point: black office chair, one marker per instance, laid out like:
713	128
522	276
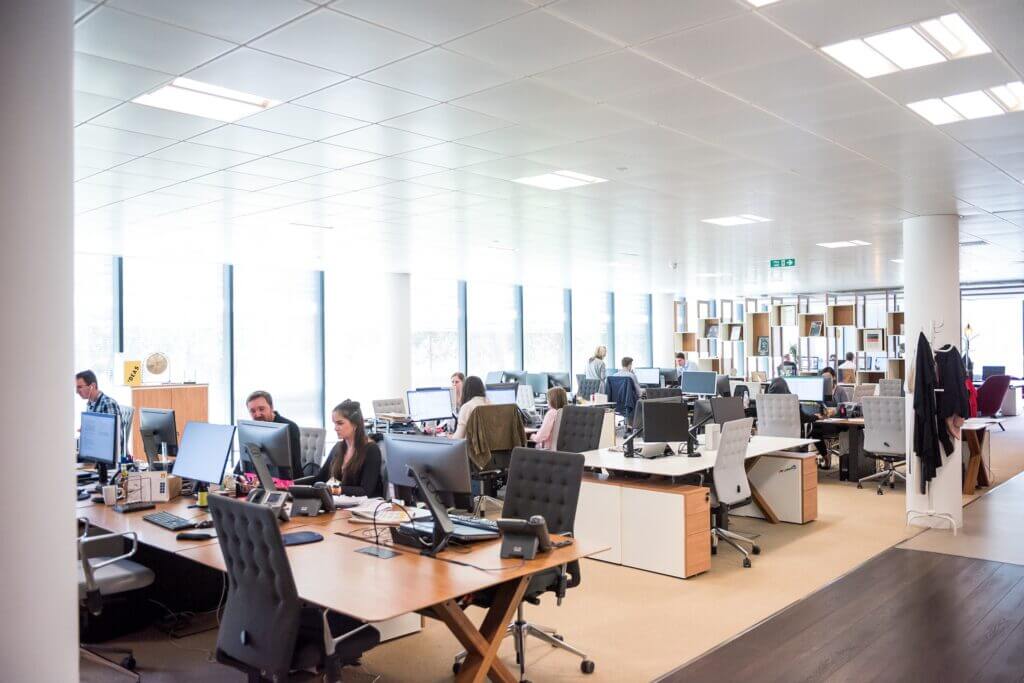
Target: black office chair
663	392
622	392
741	390
588	387
543	483
580	428
722	387
266	630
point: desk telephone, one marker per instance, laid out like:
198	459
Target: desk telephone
275	500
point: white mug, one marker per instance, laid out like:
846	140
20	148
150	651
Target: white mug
109	494
711	433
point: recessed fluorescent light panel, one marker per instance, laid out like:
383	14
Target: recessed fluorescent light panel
761	3
560	180
928	42
742	219
976	104
843	244
186	96
897	260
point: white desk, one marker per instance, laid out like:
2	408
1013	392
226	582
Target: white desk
660	526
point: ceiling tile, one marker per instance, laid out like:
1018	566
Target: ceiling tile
234	20
531	43
514	140
437	21
802	76
114	140
450	155
88	105
265	75
240	181
734	43
823	22
366	101
439	74
151	44
947	78
99	158
302	122
396	168
382	140
999	22
202	155
338	42
612	75
114	79
158	168
676	105
508	169
347	180
638	20
587	122
447	122
243	139
328	156
143	119
281	169
520	101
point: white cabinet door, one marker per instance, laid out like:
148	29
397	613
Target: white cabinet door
654	531
598	518
780	482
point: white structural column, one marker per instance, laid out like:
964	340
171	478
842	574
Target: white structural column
39	591
662	326
931	280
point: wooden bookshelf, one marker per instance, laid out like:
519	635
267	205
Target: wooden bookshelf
727	332
806	320
870	376
686	342
896	368
894	323
841	315
864	345
757	325
706	325
782	312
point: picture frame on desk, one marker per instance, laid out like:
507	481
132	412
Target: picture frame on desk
712	331
815	330
763	347
735	333
873	340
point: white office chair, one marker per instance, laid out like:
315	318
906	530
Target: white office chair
730	486
890	387
311	448
778	415
862	391
126	417
885	438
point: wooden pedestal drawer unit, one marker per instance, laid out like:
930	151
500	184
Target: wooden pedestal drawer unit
788	484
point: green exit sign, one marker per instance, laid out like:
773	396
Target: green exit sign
783	262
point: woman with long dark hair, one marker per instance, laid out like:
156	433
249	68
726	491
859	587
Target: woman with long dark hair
473	394
354	462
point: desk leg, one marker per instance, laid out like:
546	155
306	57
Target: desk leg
482	645
759	500
974	467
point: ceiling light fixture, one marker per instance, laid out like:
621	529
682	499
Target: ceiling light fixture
1010	95
928	42
897	260
741	219
761	3
843	244
187	96
560	180
976	104
935	111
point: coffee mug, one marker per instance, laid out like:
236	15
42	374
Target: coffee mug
109	494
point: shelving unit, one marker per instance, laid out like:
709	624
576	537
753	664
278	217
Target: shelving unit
686	342
807	319
757	325
781	314
896	368
726	330
704	328
840	315
894	324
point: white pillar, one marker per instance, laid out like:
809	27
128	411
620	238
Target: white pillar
931	281
662	327
38	584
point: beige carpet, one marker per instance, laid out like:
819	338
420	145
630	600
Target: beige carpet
634	624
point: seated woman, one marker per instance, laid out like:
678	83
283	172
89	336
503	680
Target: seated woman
822	430
354	462
547	436
473	394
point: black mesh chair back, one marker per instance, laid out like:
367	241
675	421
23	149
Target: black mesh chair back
589	387
664	392
722	387
262	614
580	428
544	483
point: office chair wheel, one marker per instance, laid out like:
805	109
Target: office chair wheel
756	549
129	663
558	636
880	491
892	485
456	667
860	485
587	666
714	550
746	563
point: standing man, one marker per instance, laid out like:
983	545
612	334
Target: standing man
261	409
87	387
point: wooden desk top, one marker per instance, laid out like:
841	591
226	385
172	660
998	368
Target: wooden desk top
104	517
332	574
844	421
681	465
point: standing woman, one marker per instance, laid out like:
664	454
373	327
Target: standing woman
473	394
457	380
354	462
595	366
547	436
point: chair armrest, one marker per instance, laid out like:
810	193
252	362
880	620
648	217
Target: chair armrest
330	641
88	567
85	527
304	481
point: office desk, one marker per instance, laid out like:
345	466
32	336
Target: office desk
854	464
659	525
976	439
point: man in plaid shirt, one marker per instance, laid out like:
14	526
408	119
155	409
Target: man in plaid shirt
87	387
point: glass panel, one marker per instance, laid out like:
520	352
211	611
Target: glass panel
996	328
434	331
277	341
178	310
591	327
544	329
633	329
94	323
491	322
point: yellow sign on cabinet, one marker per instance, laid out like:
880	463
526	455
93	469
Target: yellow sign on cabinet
133	373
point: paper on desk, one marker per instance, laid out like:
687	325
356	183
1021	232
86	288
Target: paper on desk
349	501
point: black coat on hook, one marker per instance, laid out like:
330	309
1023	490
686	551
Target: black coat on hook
926	425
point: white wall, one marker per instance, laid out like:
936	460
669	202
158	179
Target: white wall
38	584
662	327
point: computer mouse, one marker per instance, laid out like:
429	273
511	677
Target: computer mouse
205	524
194	536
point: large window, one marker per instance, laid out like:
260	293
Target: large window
277	334
633	328
996	325
178	310
434	331
492	323
591	327
94	322
544	329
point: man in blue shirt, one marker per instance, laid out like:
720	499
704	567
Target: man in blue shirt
87	387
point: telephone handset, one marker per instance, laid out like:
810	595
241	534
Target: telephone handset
275	500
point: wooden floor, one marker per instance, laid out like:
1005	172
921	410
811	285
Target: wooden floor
905	615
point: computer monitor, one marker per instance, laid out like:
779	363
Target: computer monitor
559	379
538	381
669	375
525	400
204	452
494	377
430	403
517	376
990	370
442	463
97	442
648	377
698	382
500	394
270	439
666	420
727	409
156	426
807	388
701	413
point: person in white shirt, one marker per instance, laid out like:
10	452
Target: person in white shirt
473	394
596	368
547	436
627	371
683	365
848	364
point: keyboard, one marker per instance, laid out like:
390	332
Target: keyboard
169	521
133	507
475	522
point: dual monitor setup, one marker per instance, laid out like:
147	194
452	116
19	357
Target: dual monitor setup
668	420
